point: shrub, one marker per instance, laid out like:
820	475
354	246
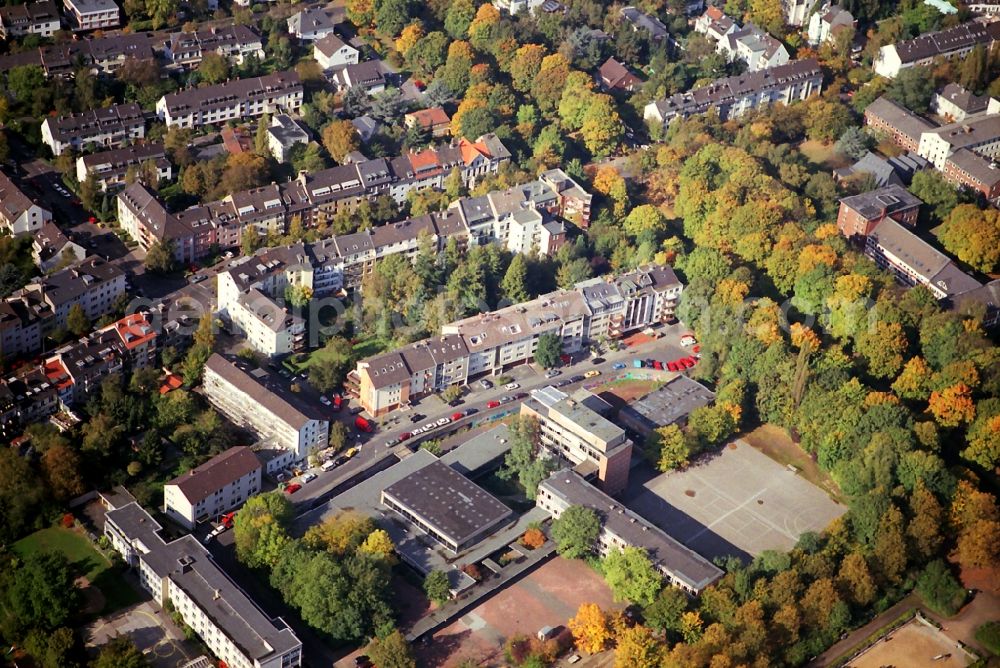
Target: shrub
473	571
68	520
533	539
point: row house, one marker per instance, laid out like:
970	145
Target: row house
490	343
101	55
219	485
41	307
31	18
111	127
19	212
952	43
182	576
92	14
748	44
733	96
235	43
52	249
108	169
71	373
232	100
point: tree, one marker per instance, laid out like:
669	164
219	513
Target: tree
459	17
979	544
670	448
891	553
973	234
645	219
89	194
40	593
410	37
260	142
884	347
77	321
926	521
664	614
52	650
939	196
988	636
548	351
391	16
939	589
854	143
120	652
437	588
602	129
856	580
331	365
361	12
637	648
575	532
160	256
213	68
983	436
912	88
379	544
339	436
341	534
515	282
525	460
260	529
631	575
525	65
61	466
24	80
457	67
391	651
953	405
590	628
428	54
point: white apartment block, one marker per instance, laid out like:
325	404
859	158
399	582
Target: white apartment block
980	134
280	92
108	169
621	528
222	483
182	573
952	43
250	399
19	214
112	127
92	14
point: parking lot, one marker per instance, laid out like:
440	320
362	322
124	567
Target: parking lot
736	501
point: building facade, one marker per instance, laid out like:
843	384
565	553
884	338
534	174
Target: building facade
207	491
239	99
112	127
92	14
952	43
32	18
19	213
108	169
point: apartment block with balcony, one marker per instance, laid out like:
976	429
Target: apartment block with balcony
92	14
182	574
239	99
108	169
222	483
252	399
112	127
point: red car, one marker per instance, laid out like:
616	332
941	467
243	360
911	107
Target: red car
364	425
658	365
566	359
696	349
457	416
493	404
338	401
405	435
671	366
294	487
227	520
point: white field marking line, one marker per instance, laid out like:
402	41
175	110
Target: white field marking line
740	506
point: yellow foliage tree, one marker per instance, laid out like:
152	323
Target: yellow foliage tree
590	628
953	405
637	648
803	336
814	255
379	544
407	39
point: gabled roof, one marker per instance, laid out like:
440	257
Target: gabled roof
224	469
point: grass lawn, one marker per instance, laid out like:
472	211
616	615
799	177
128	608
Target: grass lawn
85	560
363	348
775	442
823	155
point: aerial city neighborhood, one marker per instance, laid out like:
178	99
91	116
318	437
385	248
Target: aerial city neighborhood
516	333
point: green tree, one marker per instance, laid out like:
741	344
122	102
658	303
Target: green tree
939	589
575	532
645	219
428	54
437	588
260	142
664	613
526	461
973	234
77	321
260	529
912	88
53	650
669	448
459	17
120	652
331	364
515	281
939	196
213	68
391	16
602	129
631	576
391	651
548	350
24	80
160	256
40	593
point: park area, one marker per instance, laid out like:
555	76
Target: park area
549	596
915	644
103	588
734	501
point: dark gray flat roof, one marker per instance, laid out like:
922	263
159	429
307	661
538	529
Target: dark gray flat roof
447	501
670	403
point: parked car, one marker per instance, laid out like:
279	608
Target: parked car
592	373
552	373
338	402
565	359
405	435
430	425
471	411
493	404
658	365
637	364
576	379
456	402
417	431
443	421
618	365
521	395
324	400
417	417
457	416
598	360
308	477
329	465
355	410
671	366
294	487
367	426
688	340
485	384
228	519
350	453
391	442
511	386
564	382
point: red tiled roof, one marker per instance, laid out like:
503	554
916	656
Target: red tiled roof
134	330
171	382
428	118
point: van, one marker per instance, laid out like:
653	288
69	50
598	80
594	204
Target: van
364	425
328	465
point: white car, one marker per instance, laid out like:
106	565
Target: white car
308	477
324	401
417	431
511	386
688	340
429	426
329	465
443	421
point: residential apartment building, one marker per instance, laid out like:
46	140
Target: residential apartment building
33	312
490	343
235	43
31	18
112	127
515	7
733	96
826	23
369	76
333	53
251	399
955	103
232	100
50	248
282	135
984	7
973	171
860	214
207	491
952	43
19	213
102	55
182	574
92	14
985	297
748	44
897	123
575	429
980	133
312	24
108	169
796	11
434	121
621	528
641	22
